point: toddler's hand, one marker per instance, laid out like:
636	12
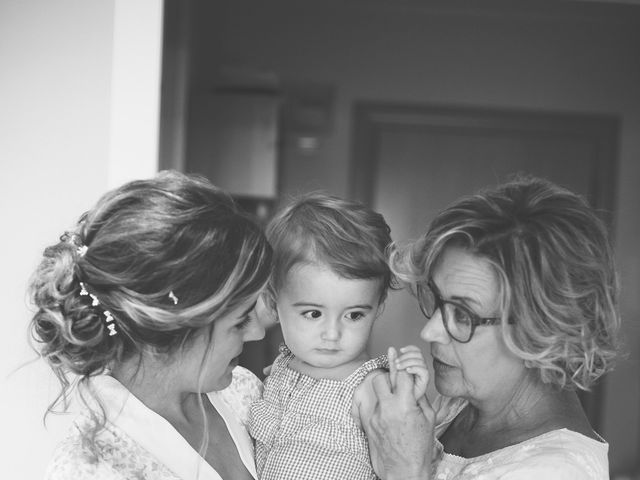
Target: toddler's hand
410	358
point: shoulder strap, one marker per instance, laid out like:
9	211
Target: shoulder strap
381	362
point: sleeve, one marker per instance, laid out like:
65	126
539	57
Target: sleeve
244	389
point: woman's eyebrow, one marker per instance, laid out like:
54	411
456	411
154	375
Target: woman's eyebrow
466	300
456	298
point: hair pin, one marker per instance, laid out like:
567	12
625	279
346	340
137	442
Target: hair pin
108	317
173	297
111	326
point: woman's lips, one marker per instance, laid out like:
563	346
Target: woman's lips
440	365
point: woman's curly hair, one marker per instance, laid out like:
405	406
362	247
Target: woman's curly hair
142	247
555	266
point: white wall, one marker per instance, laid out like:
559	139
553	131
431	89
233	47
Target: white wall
571	57
67	71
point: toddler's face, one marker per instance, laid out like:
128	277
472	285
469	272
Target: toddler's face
326	319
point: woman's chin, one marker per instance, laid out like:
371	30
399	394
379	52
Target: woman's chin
445	387
220	383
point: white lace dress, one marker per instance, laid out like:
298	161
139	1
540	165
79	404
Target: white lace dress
137	443
556	455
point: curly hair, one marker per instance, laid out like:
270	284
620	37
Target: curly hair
140	249
348	237
555	267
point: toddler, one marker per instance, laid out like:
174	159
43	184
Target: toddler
328	286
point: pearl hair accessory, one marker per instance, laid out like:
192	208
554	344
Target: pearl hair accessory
74	239
173	297
108	318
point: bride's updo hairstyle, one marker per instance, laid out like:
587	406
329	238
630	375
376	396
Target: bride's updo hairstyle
151	264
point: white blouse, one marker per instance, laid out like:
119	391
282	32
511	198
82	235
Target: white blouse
138	443
556	455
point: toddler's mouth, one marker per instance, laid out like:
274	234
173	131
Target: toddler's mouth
328	351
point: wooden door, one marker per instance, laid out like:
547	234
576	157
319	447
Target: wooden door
410	162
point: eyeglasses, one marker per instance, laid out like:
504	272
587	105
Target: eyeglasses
459	322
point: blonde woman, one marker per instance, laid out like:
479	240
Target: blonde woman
143	309
518	288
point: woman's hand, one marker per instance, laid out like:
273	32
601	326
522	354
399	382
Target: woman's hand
399	429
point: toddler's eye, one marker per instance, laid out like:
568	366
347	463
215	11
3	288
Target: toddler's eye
312	314
355	315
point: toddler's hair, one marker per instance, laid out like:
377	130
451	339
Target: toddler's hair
346	236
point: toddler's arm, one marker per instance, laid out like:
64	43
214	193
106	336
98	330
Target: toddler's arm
411	359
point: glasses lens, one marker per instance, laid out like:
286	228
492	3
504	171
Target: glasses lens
458	322
427	300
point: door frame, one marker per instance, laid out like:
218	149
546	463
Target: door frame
370	118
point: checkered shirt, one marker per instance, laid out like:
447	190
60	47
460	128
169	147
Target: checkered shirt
303	426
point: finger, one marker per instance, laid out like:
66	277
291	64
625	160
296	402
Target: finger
392	355
404	383
410	348
267	370
411	355
412	367
427	409
381	386
417	370
404	363
420	381
411	352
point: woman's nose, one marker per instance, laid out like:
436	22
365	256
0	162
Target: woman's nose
254	331
433	330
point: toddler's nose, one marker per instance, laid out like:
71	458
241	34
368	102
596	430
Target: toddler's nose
331	331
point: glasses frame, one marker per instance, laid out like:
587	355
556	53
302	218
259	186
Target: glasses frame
439	303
